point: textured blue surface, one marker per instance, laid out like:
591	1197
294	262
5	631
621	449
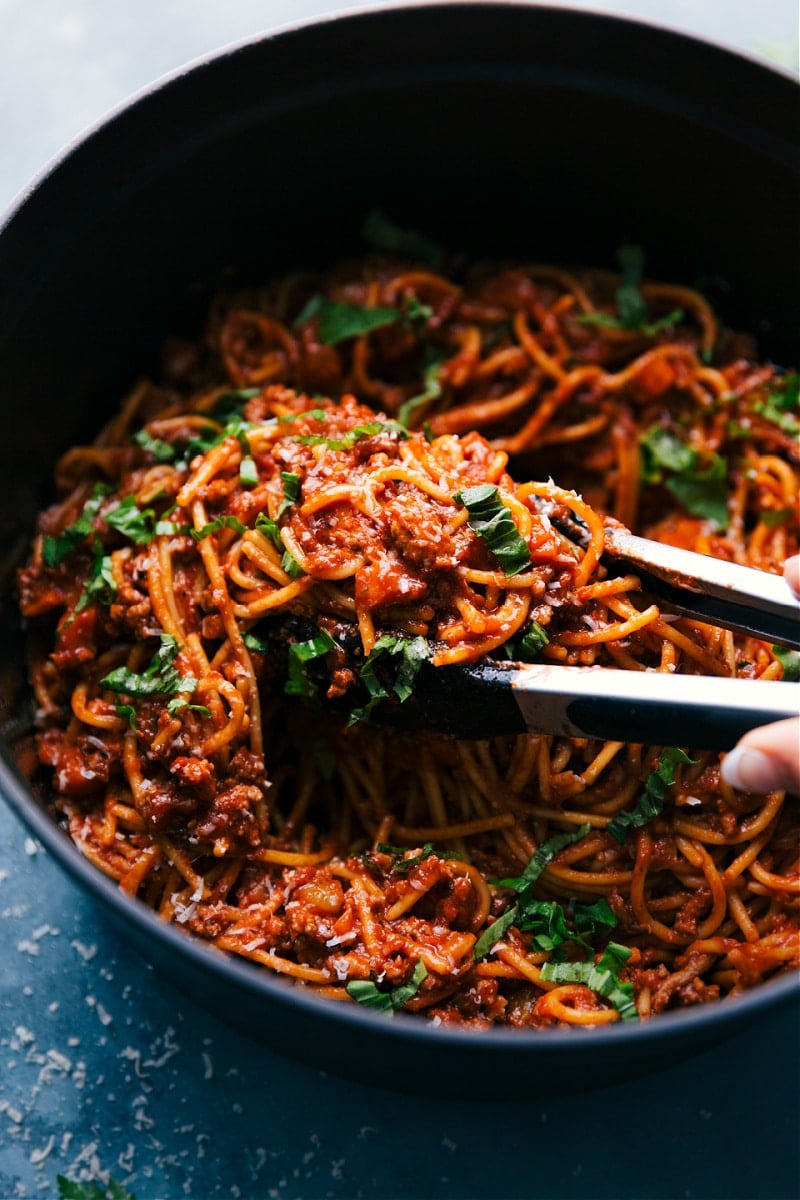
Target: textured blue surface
107	1069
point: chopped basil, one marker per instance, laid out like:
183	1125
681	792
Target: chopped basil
411	652
701	489
254	643
782	398
492	521
129	712
337	321
291	492
651	803
366	993
383	234
349	439
528	647
790	661
226	522
291	566
131	521
161	677
248	472
162	452
318	414
528	909
542	857
229	404
301	653
602	977
773	517
70	1189
100	587
431	389
270	529
177	703
400	864
415	310
55	548
631	305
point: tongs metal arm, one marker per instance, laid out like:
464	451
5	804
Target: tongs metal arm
744	599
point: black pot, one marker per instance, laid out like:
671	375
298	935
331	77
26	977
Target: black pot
526	131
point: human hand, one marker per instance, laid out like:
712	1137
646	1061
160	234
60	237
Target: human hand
768	758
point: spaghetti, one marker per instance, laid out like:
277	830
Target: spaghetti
263	547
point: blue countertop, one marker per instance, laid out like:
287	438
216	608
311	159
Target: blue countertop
106	1069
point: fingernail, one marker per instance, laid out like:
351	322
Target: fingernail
751	770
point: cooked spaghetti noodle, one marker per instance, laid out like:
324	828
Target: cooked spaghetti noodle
232	537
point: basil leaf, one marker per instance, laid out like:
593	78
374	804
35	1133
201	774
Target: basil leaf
161	451
226	522
400	864
100	587
318	414
602	978
790	661
248	472
494	932
491	520
662	449
55	548
431	389
704	493
651	802
161	678
631	304
131	521
593	919
228	406
129	712
257	644
546	921
179	702
383	234
291	566
414	310
270	529
352	436
69	1189
528	647
367	994
338	321
412	653
543	857
301	653
291	492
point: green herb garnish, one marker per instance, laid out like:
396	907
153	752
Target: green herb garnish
298	682
700	486
100	587
400	864
383	234
411	653
651	802
337	321
55	548
254	643
528	647
291	492
131	521
248	472
527	907
162	452
790	661
178	703
161	678
631	306
602	977
226	522
291	566
366	993
349	439
431	389
491	520
70	1189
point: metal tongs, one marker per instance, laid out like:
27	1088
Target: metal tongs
704	712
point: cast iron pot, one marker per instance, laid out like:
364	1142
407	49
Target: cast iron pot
533	132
